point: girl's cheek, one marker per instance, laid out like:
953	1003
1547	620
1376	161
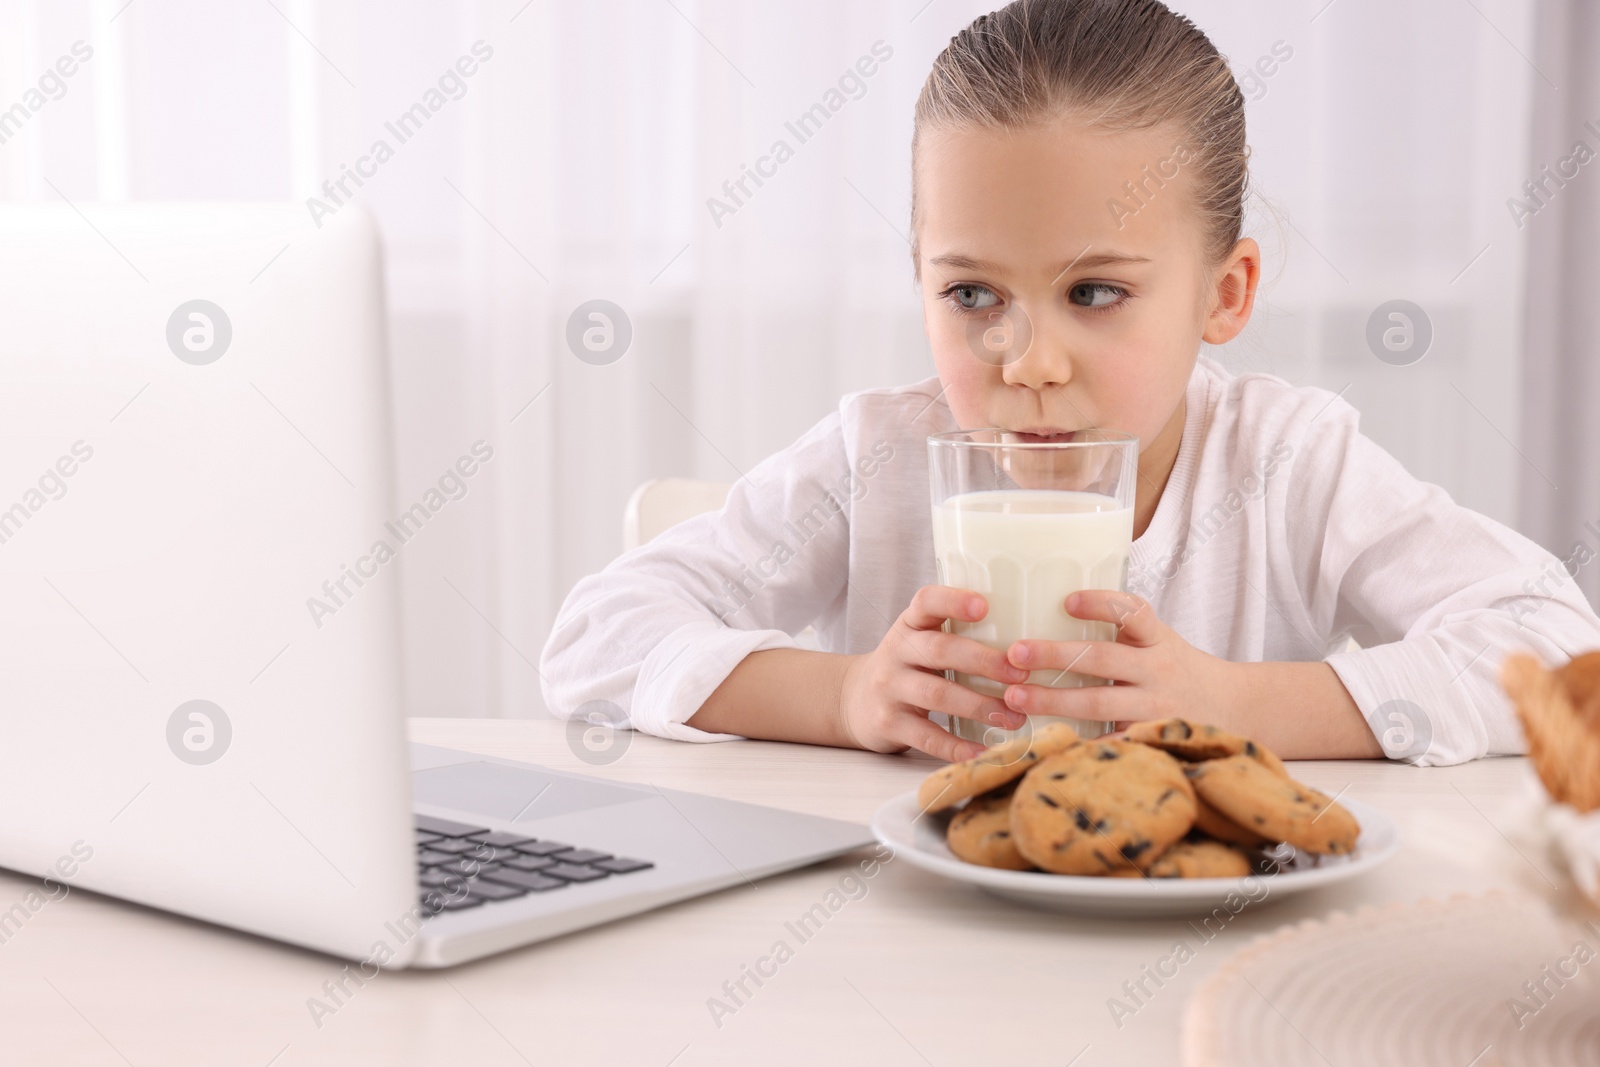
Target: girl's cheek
948	343
966	379
1127	388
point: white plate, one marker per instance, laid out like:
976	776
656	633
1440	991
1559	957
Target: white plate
919	840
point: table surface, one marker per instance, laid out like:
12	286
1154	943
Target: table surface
919	970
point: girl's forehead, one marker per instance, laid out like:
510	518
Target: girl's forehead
1018	193
1064	149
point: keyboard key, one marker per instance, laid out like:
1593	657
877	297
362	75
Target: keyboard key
520	862
622	865
490	854
423	837
430	858
439	879
580	855
483	890
542	848
536	882
466	867
447	828
504	840
573	872
456	889
457	845
434	901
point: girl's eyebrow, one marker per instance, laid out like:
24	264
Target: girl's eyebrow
1107	258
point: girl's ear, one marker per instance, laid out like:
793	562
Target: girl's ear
1235	293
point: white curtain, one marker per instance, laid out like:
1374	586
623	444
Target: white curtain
578	162
1561	220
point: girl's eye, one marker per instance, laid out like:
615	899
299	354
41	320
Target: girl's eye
1095	295
971	297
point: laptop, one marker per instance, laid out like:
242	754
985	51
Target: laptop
194	449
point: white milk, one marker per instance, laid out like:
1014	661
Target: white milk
1025	550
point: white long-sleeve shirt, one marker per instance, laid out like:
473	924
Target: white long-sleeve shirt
1282	532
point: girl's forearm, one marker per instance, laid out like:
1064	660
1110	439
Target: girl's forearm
780	694
1301	711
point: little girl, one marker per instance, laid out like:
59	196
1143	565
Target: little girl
1078	180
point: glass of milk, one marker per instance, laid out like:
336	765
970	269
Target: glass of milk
1026	521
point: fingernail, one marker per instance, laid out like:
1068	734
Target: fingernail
1072	602
974	607
1019	653
1015	697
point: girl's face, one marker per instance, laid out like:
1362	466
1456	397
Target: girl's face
1053	299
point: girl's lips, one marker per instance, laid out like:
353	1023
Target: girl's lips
1041	435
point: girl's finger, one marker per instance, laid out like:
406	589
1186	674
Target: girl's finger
940	651
1132	615
932	604
1103	659
1100	703
931	692
922	735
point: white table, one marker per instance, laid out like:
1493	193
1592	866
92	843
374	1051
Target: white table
916	971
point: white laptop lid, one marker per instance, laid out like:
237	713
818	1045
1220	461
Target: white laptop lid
176	484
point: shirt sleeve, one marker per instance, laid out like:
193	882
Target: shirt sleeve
1437	595
652	635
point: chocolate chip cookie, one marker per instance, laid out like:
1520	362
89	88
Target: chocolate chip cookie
1199	741
1280	809
1101	806
1213	823
981	833
999	764
1200	859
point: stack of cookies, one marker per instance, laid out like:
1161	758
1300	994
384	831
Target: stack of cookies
1560	713
1168	799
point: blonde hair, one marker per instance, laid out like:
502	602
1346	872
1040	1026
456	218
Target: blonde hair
1122	65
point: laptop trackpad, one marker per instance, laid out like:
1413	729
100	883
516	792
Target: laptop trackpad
512	794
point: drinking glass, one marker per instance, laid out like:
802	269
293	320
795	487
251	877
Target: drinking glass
1027	521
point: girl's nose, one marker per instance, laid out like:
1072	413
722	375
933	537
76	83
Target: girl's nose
1000	336
1043	361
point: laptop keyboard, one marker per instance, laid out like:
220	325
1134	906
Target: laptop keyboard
462	866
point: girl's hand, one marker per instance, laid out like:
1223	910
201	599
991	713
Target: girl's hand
888	693
1158	674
